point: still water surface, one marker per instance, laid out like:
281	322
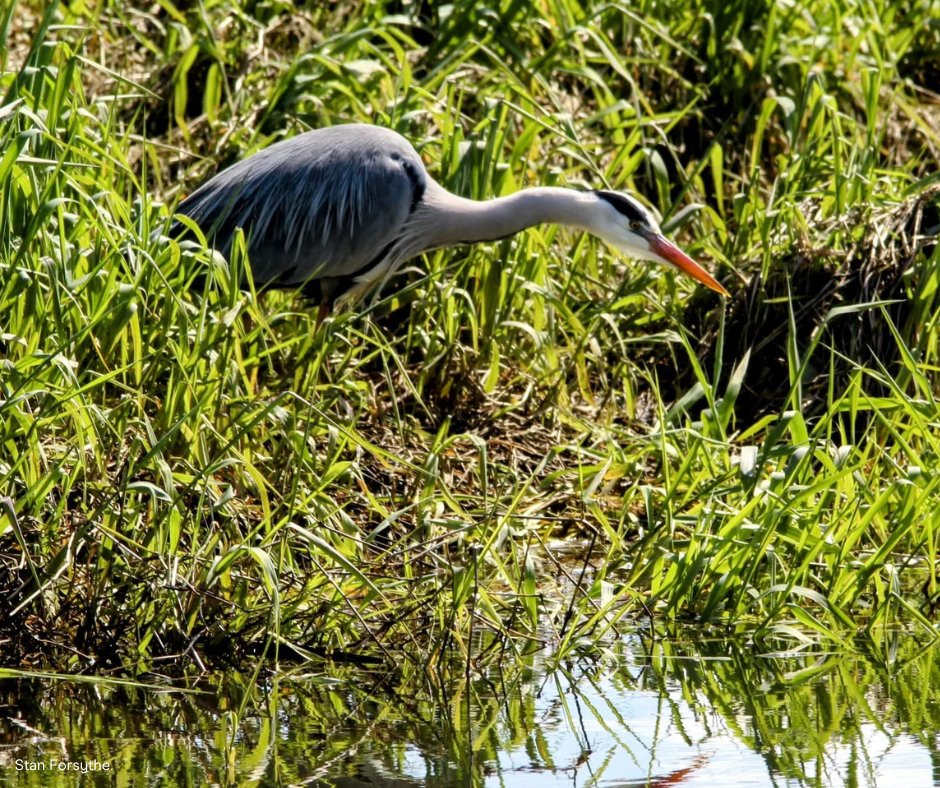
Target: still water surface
656	713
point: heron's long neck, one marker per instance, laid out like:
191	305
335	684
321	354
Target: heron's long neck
457	220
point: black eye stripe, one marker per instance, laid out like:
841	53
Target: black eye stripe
622	205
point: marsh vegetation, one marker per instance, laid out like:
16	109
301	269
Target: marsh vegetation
532	445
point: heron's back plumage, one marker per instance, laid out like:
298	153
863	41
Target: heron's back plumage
323	207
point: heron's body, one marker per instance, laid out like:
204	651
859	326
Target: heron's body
337	209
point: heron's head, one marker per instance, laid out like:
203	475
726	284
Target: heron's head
626	224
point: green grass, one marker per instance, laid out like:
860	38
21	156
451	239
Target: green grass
526	443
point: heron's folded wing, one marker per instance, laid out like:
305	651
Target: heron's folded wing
327	203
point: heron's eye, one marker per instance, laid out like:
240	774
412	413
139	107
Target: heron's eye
635	225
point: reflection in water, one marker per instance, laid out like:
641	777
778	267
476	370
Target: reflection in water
674	713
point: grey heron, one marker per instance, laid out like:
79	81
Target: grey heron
335	210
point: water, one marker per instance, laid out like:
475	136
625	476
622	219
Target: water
691	712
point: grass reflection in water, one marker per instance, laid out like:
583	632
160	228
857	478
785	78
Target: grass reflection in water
683	710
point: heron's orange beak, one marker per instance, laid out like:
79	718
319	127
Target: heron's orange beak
671	253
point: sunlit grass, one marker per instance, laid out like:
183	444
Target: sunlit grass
533	439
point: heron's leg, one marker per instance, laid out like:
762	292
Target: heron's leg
321	292
323	312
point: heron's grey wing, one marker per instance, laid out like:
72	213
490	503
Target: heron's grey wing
325	204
